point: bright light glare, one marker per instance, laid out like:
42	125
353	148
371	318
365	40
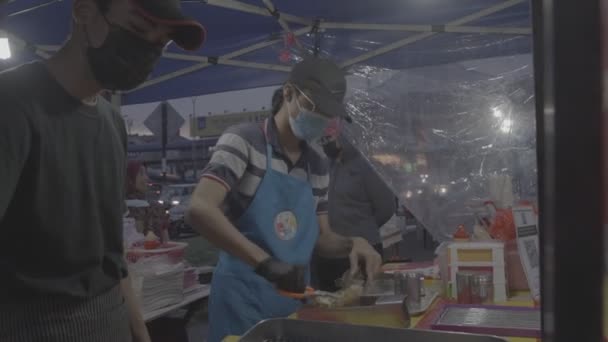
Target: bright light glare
5	49
506	126
443	190
175	202
408	194
420	192
497	112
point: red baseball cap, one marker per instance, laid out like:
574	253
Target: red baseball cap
188	33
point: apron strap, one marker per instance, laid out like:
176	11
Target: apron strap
265	130
269	151
268	146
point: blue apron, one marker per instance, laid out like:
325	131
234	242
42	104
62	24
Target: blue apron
281	219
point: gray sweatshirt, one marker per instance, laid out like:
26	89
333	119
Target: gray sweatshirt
360	202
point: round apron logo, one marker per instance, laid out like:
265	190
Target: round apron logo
285	225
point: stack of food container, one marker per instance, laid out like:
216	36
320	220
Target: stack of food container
158	273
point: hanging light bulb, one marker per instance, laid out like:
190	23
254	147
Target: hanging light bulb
506	126
5	48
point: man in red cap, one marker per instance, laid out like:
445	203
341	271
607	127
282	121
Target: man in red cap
62	173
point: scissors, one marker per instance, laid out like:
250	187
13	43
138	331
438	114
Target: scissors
309	292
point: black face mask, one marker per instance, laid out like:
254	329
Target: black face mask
124	60
332	150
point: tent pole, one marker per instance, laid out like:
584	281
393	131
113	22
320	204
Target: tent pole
258	46
253	65
426	28
245	50
221	59
33	8
194	122
407	41
164	139
317	37
571	230
247	8
172	75
272	9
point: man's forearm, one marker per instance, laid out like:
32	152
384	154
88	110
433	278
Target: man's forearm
213	225
332	245
137	323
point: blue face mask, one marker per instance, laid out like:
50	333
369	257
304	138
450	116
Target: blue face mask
308	125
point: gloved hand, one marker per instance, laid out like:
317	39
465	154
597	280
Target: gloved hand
363	252
286	277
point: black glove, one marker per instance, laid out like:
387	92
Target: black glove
286	277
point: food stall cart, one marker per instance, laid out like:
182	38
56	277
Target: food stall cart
391	318
467	288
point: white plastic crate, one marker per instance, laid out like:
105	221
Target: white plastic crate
473	255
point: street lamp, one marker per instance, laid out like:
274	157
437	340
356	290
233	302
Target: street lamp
5	49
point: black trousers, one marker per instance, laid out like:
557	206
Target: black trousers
325	272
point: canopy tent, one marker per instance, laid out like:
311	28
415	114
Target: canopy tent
248	40
445	123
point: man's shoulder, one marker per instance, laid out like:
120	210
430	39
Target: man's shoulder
111	114
107	109
14	73
251	132
19	80
319	164
18	92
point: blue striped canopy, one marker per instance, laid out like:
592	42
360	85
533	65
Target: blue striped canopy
422	32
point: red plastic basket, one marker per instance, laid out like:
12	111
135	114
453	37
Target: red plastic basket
173	250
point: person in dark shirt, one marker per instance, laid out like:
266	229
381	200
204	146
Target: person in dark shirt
360	203
62	175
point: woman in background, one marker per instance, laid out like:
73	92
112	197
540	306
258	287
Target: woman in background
148	216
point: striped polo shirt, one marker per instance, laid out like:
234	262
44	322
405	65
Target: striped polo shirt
239	163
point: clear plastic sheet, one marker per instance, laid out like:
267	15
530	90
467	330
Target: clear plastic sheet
446	142
448	137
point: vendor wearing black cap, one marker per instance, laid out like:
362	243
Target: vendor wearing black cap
273	187
360	203
62	172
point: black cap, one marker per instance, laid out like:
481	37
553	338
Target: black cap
325	82
188	33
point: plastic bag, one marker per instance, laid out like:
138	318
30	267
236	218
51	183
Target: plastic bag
503	226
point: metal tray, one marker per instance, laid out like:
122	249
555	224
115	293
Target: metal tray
414	310
287	330
496	320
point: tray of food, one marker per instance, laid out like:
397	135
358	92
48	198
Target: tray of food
390	314
287	330
349	296
414	309
374	303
